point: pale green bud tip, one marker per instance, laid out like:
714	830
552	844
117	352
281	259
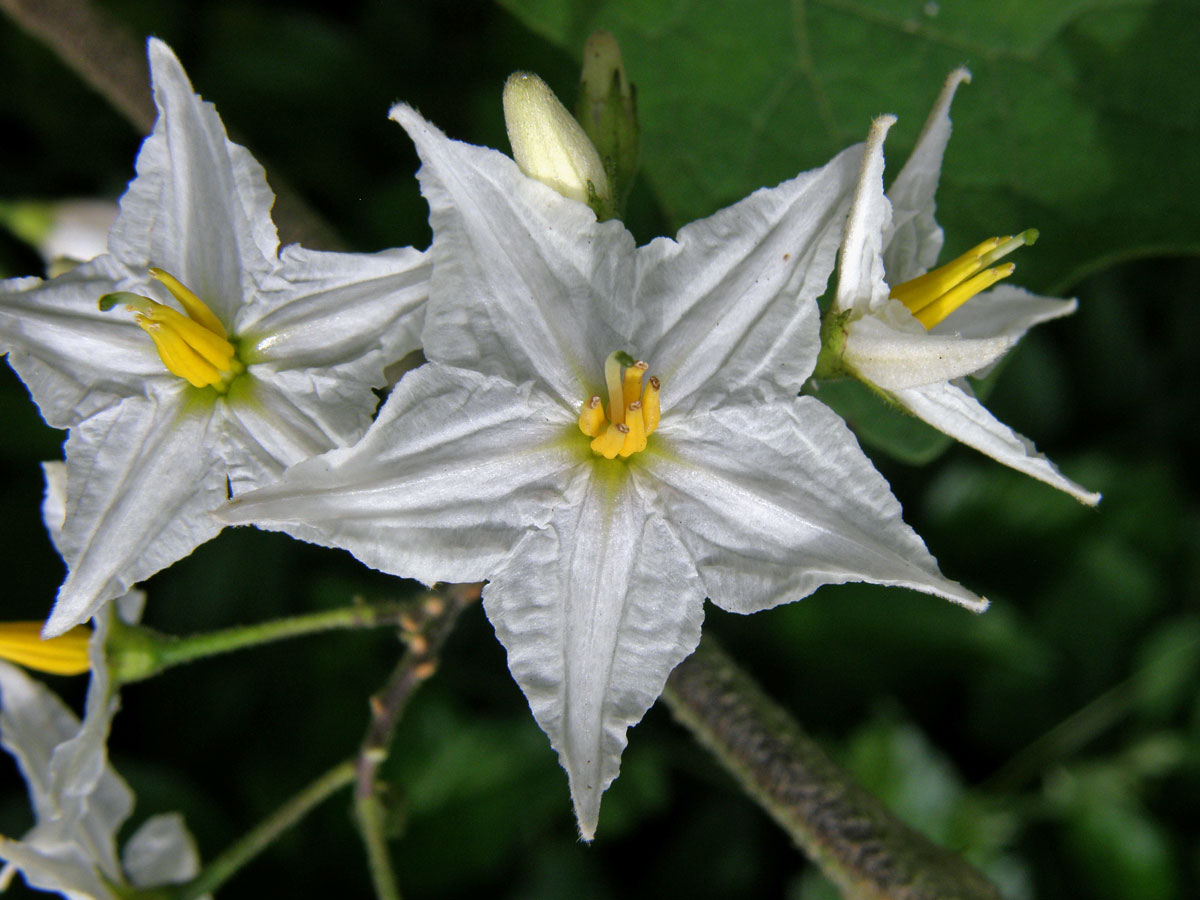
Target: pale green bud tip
603	71
548	144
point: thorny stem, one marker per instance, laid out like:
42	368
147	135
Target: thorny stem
111	59
859	845
425	632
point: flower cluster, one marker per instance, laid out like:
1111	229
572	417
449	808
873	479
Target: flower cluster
607	434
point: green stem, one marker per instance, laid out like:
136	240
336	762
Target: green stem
254	842
858	844
136	652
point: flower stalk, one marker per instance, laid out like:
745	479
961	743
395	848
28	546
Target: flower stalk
136	653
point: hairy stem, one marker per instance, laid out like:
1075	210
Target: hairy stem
860	846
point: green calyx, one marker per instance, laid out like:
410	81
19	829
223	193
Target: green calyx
607	111
833	345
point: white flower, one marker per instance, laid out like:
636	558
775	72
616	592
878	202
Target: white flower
912	335
79	802
477	468
274	361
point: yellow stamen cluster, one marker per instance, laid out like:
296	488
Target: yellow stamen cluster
633	411
933	296
67	654
195	347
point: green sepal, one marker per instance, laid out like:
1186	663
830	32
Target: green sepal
607	111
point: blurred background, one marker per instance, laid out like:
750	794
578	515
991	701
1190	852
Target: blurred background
1055	740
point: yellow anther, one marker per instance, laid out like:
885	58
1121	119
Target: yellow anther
67	654
936	311
924	289
591	417
933	296
650	407
632	382
194	346
631	419
196	308
610	443
635	440
179	358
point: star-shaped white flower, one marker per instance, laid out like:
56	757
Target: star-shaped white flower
912	335
601	546
215	359
79	801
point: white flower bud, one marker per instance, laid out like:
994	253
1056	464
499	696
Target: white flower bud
548	144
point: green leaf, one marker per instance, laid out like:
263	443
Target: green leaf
1076	113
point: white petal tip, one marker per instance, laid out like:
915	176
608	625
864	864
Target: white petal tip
405	115
961	75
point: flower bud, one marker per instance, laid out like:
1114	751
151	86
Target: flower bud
607	110
549	145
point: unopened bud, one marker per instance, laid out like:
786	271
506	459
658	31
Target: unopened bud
548	143
607	110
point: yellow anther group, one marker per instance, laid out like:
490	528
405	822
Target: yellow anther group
67	654
933	296
633	411
194	347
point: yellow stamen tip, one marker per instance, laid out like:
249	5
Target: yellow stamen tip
67	654
651	411
609	444
196	308
635	440
632	382
933	296
591	417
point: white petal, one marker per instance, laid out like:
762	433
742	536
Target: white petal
200	205
444	484
74	358
595	611
775	500
914	240
729	305
953	410
891	358
141	477
161	852
54	501
529	285
76	820
356	311
861	283
1004	310
277	421
33	721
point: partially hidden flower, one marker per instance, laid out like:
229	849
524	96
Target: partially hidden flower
195	356
911	333
79	802
609	434
65	232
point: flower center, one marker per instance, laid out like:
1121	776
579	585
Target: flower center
194	347
933	296
632	411
67	654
